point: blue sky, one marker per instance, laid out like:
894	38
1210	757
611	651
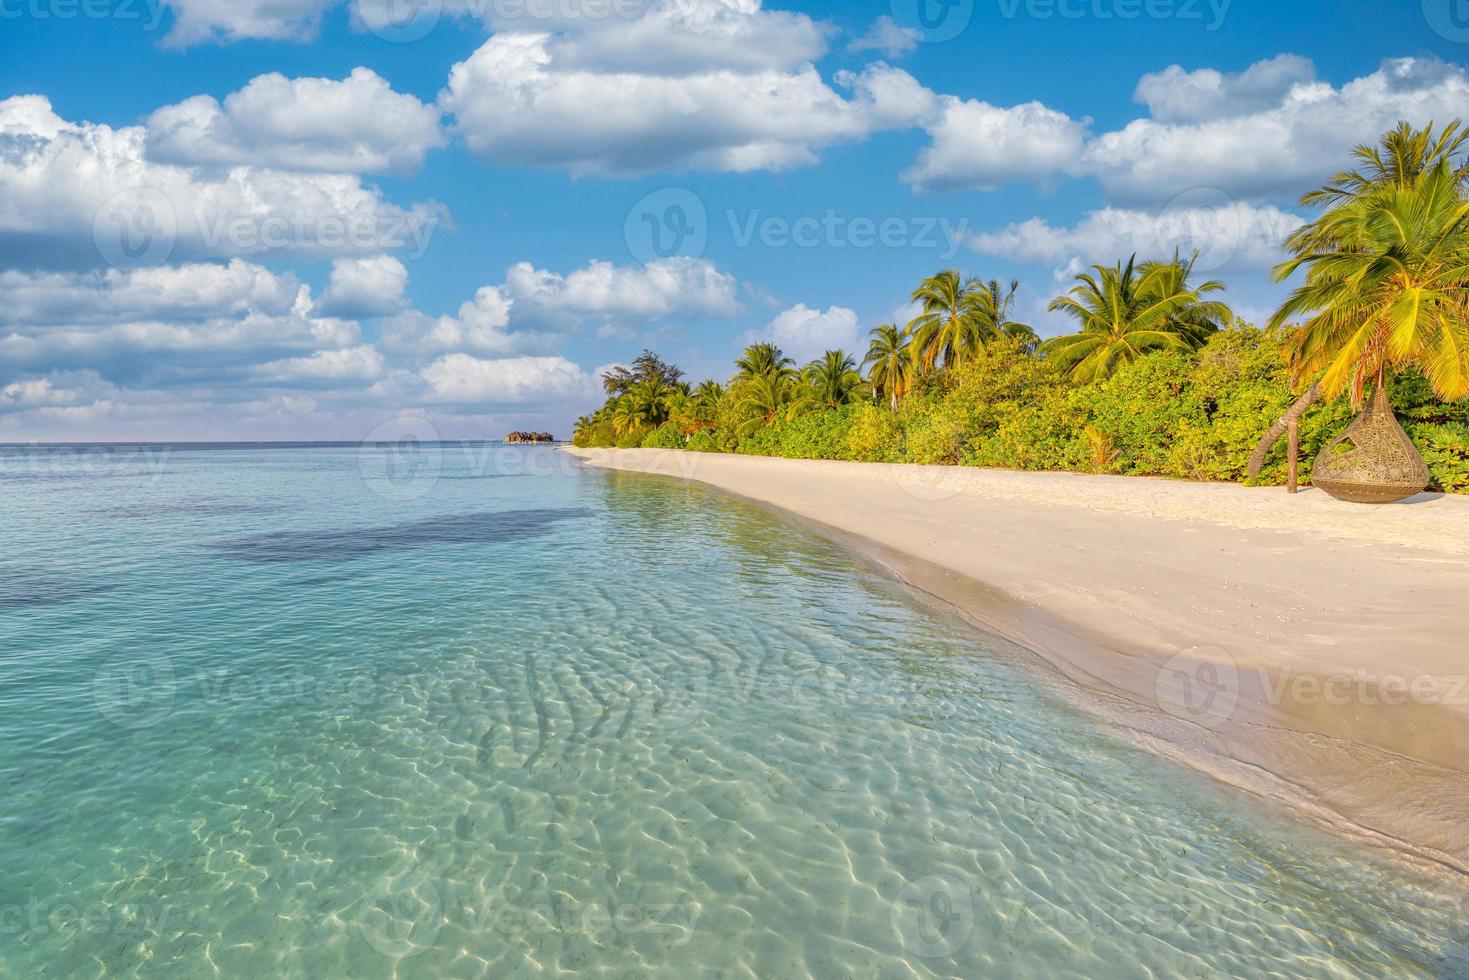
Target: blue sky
270	219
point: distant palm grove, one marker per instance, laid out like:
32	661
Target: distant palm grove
1159	378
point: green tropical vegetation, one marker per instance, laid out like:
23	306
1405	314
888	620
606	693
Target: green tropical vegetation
1160	378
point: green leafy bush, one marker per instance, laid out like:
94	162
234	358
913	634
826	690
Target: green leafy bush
1446	450
875	436
599	436
633	439
702	442
666	436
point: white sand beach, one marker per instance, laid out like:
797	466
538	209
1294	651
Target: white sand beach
1310	651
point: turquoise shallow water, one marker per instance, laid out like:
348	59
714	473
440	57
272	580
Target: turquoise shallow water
316	711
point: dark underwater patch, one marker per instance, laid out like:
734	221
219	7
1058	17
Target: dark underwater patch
347	544
24	586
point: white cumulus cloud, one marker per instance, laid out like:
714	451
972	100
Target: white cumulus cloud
200	21
521	99
887	37
535	306
347	364
1235	236
975	145
466	379
357	125
78	194
1277	151
364	288
1176	95
806	334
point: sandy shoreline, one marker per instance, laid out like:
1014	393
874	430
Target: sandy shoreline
1313	652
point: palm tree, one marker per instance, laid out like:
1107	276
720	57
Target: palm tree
997	304
1127	311
709	394
889	369
959	316
1404	155
834	379
628	415
651	396
761	400
1393	294
764	361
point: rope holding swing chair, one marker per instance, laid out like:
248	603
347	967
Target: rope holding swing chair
1373	461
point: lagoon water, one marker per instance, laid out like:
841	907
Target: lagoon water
315	711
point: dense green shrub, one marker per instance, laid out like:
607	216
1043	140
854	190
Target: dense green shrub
599	436
666	436
818	434
633	439
875	436
702	442
1446	449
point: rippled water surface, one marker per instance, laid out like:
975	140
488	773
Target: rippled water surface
314	712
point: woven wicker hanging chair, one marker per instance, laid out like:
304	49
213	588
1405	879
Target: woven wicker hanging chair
1373	461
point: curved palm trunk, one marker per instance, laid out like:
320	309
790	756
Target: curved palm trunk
1292	414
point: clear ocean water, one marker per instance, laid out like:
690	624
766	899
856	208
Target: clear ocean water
318	711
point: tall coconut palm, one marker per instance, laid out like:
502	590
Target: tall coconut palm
997	304
1402	156
652	396
764	361
888	364
709	393
1393	294
629	414
834	379
763	399
958	317
1127	311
